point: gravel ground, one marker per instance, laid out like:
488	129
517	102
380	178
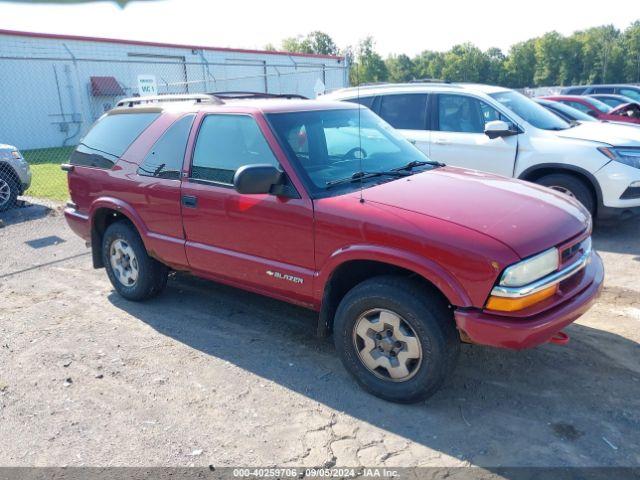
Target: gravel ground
206	374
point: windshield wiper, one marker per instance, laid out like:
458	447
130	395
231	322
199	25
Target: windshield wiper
418	163
363	175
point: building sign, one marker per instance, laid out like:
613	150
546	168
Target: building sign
147	85
319	87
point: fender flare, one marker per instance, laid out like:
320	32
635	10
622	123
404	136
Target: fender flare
426	268
124	209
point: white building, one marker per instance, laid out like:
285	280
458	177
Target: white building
53	87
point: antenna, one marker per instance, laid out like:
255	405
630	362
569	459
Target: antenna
359	134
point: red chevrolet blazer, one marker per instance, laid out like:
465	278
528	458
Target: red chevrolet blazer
324	205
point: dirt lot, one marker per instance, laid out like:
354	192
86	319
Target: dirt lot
206	374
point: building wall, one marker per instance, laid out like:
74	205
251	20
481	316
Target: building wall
46	99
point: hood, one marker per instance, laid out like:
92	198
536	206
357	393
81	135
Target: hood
607	133
4	146
525	217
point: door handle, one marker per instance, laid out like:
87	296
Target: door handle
441	141
189	201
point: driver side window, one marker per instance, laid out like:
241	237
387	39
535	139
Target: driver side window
224	144
463	114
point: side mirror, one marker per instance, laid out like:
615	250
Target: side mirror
255	179
498	128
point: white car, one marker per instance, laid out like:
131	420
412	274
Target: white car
498	130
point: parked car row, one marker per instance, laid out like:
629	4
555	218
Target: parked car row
596	106
325	205
497	130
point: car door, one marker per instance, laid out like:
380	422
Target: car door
407	113
260	242
458	136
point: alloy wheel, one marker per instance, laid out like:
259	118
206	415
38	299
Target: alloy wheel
5	192
387	345
124	262
564	190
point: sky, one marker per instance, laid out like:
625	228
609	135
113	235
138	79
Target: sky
401	26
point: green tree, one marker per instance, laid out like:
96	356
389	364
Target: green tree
495	73
465	63
429	64
520	65
548	51
320	43
315	42
400	68
631	47
601	54
369	66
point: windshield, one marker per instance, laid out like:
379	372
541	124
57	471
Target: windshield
601	106
572	113
530	111
613	101
328	146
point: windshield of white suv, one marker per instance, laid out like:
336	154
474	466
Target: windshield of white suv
338	149
535	114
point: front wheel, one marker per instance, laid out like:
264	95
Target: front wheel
132	272
571	186
397	338
8	191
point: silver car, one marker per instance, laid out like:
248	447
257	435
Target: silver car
15	176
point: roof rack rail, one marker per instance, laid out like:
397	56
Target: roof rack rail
181	97
428	80
243	94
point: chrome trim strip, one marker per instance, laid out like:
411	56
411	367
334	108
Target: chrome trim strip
545	282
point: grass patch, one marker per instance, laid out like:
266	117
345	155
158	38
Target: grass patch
48	181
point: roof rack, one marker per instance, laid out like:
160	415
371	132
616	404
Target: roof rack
183	97
428	80
242	94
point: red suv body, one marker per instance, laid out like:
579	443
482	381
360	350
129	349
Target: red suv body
272	196
629	113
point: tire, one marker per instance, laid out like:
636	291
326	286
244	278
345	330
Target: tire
8	191
429	320
571	185
122	244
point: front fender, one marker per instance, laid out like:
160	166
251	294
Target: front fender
426	268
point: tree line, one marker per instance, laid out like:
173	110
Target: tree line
601	54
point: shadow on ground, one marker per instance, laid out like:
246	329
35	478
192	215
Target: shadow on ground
24	212
547	406
618	237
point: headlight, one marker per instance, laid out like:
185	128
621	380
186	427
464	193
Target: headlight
531	269
16	154
627	155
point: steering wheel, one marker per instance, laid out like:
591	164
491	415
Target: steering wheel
351	154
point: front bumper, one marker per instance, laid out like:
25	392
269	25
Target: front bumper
518	333
614	180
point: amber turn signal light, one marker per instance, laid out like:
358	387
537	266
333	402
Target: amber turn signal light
506	304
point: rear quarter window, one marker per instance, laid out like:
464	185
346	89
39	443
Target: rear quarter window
109	139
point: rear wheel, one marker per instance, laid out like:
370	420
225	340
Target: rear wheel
396	338
571	186
132	272
8	191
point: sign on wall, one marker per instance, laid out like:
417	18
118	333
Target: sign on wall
147	85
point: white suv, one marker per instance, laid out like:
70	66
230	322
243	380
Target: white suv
498	130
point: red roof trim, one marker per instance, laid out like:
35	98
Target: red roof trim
158	44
